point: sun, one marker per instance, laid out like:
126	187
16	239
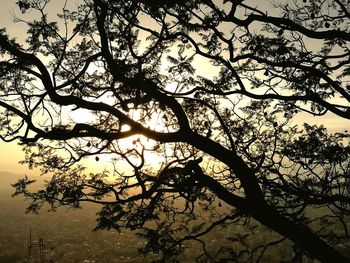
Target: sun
137	148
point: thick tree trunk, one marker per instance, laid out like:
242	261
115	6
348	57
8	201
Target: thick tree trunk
254	204
302	236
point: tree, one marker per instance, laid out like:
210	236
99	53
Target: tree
213	88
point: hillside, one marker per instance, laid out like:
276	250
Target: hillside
8	178
68	231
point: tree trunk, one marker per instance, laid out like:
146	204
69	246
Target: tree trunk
303	237
254	204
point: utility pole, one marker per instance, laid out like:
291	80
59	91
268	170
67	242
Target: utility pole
41	250
39	244
30	245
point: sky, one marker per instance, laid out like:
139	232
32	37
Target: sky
11	153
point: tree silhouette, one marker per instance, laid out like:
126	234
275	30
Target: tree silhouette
213	88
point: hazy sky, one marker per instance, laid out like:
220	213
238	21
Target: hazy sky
11	153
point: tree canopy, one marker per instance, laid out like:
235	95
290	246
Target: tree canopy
197	105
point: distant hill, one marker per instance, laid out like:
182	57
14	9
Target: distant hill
8	178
